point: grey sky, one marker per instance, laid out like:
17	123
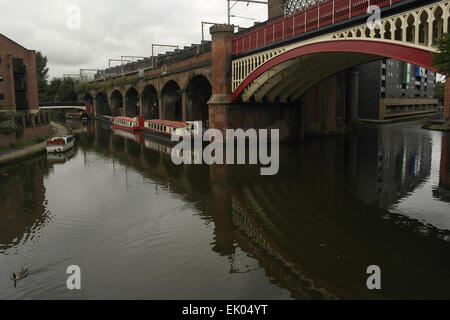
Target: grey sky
112	28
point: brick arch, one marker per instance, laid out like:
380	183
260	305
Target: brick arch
150	101
144	83
128	87
203	72
171	100
131	106
102	104
115	99
110	90
198	93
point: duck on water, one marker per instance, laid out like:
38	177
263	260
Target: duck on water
20	275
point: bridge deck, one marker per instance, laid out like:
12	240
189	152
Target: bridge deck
312	18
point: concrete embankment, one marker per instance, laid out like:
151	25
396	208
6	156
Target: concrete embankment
22	153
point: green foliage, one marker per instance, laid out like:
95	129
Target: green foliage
82	87
62	90
440	91
441	59
19	131
7	127
59	115
8	114
42	75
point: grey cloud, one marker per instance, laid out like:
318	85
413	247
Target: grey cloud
109	28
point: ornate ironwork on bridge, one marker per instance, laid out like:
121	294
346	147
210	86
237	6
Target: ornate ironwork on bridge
293	6
408	34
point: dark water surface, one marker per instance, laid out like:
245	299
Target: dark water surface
140	227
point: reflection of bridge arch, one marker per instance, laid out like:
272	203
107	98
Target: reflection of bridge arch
198	93
150	102
131	102
406	36
116	102
171	101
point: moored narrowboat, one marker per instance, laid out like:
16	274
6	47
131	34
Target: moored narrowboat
80	116
128	124
166	129
60	144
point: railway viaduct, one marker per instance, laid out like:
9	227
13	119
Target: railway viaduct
294	73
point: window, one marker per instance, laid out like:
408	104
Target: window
1	78
2	96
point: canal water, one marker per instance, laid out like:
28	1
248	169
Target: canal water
140	227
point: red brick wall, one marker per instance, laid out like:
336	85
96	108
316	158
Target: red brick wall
9	50
27	135
221	52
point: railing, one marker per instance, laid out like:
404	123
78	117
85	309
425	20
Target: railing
155	62
62	104
314	17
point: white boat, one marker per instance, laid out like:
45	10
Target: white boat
60	144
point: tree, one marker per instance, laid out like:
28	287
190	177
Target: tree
62	90
440	91
441	59
52	89
66	92
42	75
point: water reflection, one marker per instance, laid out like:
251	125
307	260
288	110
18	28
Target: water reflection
442	192
22	202
336	207
390	163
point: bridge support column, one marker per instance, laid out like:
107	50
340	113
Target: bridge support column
324	106
222	38
123	112
141	110
160	107
95	107
184	101
447	100
354	94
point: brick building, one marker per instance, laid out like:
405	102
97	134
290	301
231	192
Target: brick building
18	80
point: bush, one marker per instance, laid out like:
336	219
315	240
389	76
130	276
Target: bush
7	127
19	131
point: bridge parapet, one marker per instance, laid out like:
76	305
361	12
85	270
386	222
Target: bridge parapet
313	17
